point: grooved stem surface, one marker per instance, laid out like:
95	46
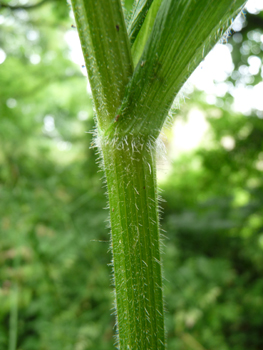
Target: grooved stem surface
131	178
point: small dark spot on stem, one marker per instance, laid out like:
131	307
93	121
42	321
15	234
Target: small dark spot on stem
144	187
116	118
117	27
112	209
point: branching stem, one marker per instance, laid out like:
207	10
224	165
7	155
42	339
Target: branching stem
131	106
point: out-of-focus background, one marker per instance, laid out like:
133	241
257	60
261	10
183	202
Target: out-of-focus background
55	284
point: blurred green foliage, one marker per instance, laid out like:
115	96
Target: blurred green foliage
55	273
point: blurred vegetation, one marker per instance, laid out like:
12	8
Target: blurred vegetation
55	273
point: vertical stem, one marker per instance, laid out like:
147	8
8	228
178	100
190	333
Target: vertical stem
106	49
131	178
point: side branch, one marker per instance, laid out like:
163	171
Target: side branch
183	33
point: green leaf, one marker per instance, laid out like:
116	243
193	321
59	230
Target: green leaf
183	33
106	50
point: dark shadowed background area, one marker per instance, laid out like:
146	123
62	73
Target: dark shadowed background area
55	284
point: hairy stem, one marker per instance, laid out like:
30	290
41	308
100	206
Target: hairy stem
131	107
107	54
131	179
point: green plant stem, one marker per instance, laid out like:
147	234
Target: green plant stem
106	49
131	108
184	31
131	179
